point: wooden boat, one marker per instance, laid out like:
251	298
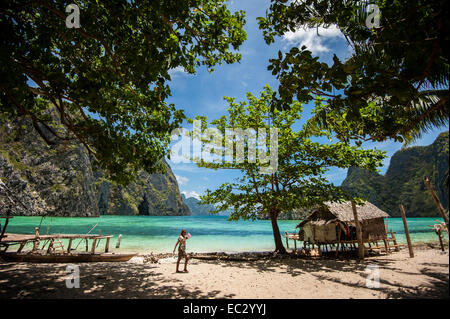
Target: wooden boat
50	249
65	258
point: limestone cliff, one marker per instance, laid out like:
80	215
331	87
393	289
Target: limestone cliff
59	180
49	180
149	194
403	181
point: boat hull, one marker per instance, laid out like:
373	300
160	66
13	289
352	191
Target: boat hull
64	258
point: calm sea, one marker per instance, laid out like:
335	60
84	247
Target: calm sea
209	233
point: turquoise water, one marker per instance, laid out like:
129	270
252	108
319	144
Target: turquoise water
209	233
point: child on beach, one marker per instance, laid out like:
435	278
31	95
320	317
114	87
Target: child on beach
182	249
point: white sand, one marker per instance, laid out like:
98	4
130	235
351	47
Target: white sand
426	275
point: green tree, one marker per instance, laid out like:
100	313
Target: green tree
298	180
104	84
395	83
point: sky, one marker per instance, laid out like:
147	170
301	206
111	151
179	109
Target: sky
202	93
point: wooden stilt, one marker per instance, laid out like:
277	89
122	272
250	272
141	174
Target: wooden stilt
358	232
87	245
295	245
411	252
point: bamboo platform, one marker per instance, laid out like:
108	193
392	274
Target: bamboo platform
53	241
11	238
388	243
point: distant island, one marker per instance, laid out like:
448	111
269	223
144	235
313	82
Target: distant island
198	209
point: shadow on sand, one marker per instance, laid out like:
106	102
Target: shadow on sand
114	280
437	282
97	280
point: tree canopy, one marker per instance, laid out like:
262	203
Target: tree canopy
104	84
394	84
299	181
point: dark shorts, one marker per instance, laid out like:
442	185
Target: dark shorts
182	253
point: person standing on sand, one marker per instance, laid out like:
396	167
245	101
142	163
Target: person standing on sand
182	249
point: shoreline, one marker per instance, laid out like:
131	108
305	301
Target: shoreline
434	244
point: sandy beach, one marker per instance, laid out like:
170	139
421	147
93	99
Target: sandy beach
425	276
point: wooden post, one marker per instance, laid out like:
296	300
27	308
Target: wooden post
386	246
50	246
93	246
339	240
395	241
411	252
295	245
439	233
87	246
23	244
436	199
287	239
70	246
387	225
118	241
107	244
358	232
36	239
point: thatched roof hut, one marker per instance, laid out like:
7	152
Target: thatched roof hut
334	222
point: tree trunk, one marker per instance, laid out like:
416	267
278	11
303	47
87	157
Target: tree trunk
276	233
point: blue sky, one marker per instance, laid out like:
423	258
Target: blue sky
202	93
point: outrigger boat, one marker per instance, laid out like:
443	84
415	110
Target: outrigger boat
56	252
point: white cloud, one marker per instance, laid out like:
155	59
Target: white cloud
191	194
181	179
179	70
314	38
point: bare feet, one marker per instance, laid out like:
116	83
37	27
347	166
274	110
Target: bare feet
185	270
